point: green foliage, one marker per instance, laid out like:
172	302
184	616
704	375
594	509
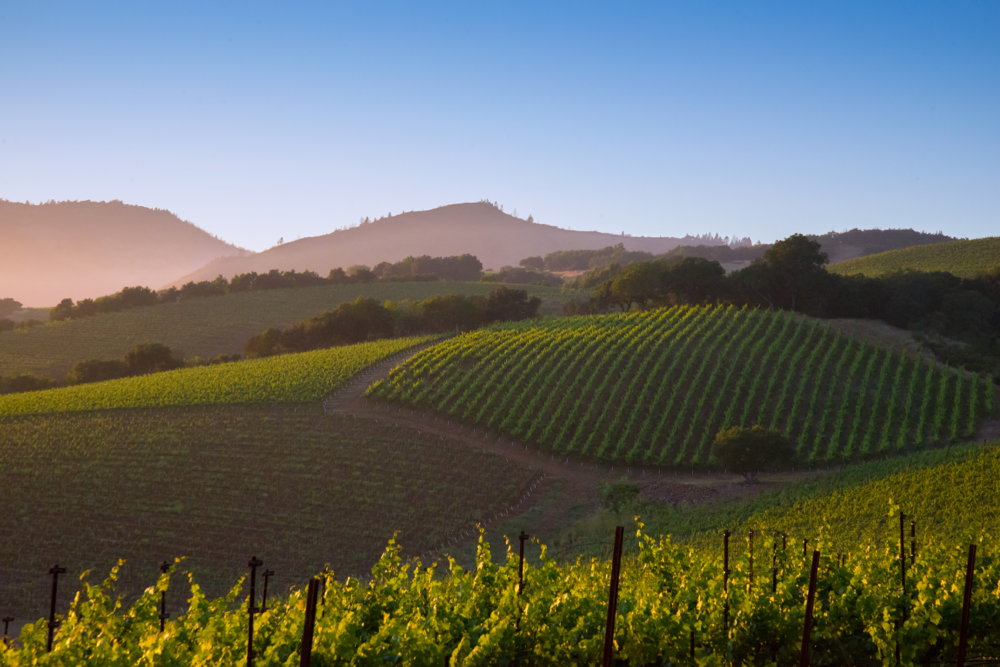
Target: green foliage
293	378
19	383
654	387
966	259
619	496
747	451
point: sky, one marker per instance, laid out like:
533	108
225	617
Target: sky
264	120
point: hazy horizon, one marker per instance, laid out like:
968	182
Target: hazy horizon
256	122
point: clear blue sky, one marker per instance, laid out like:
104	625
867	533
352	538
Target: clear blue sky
259	121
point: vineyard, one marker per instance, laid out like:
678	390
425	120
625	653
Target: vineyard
966	259
289	378
291	484
880	600
653	388
209	327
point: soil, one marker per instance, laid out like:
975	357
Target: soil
571	485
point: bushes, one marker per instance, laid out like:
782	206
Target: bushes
27	382
140	360
750	450
367	319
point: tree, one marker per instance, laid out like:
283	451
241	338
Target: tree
636	284
264	344
694	280
511	305
150	358
95	370
533	263
8	306
789	276
750	450
63	311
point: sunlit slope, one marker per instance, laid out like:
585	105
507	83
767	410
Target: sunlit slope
655	387
289	378
949	493
966	259
207	327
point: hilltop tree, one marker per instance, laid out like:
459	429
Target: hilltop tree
789	276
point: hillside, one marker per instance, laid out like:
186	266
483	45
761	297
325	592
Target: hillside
88	249
966	259
480	229
653	388
291	378
207	327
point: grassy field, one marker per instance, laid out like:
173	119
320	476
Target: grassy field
288	378
653	388
207	327
290	484
966	259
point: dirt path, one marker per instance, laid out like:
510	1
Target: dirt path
571	484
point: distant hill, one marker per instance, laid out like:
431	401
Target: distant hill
88	249
839	246
967	259
481	229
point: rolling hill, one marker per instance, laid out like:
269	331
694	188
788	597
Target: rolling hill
653	388
964	258
208	327
88	249
481	229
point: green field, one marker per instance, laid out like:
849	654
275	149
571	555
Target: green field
208	327
966	259
291	484
289	378
654	387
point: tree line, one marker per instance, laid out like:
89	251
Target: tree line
140	360
366	319
424	268
790	275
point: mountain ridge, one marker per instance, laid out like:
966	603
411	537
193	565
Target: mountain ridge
498	239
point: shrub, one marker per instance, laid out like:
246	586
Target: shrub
750	450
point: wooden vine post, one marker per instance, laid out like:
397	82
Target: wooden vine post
55	571
164	567
807	623
963	630
520	563
609	631
252	607
305	655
